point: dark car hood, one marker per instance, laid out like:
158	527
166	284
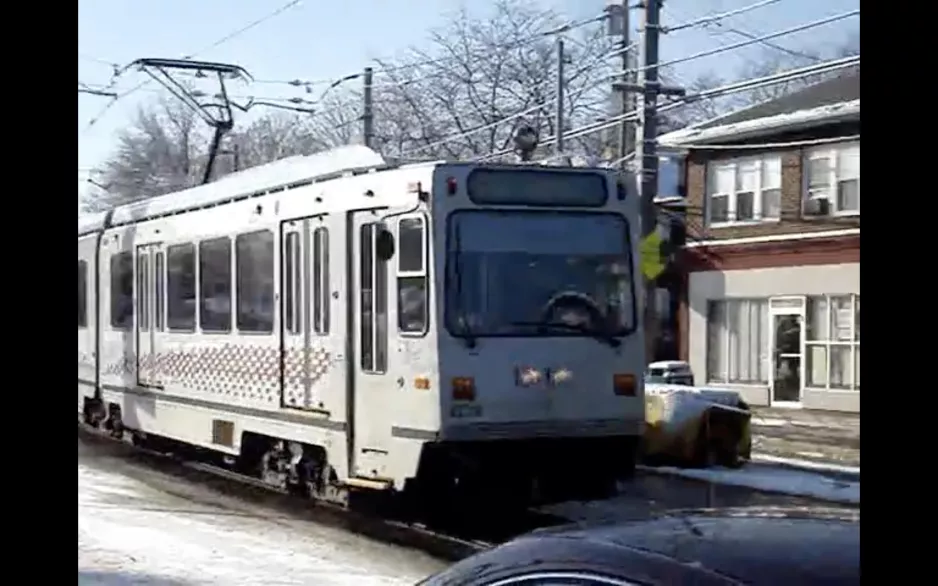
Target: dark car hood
756	546
752	546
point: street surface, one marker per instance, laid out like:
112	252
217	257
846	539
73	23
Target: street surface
832	439
141	527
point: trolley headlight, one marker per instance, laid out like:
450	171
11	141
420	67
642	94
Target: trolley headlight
561	376
526	376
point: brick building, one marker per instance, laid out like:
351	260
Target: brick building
771	300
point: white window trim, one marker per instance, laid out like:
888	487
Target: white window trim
731	203
829	343
830	153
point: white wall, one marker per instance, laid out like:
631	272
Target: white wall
757	283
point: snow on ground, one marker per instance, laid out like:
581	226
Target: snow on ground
130	533
815	466
773	422
774	479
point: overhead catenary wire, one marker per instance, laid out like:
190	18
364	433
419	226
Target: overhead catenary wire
726	29
746	85
706	94
741	44
683	101
388	69
714	18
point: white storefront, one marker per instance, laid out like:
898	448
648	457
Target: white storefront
783	336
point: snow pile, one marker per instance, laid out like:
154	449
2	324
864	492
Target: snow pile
673	406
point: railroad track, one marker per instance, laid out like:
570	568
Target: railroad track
450	545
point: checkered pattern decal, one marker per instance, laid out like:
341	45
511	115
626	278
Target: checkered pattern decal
243	371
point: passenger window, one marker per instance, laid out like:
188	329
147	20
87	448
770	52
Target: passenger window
215	285
143	291
321	287
291	283
82	294
180	287
255	280
374	310
412	290
122	290
159	279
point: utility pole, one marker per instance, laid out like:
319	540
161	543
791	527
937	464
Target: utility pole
558	144
368	117
647	149
626	98
618	25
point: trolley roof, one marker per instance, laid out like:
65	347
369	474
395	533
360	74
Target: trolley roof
279	175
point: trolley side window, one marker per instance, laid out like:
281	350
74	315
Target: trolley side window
82	294
215	285
412	291
143	291
321	295
122	290
254	273
374	303
160	277
180	287
292	291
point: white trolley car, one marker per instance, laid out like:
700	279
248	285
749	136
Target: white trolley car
333	322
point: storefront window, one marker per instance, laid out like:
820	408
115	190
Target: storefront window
833	342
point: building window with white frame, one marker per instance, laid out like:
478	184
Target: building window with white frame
744	190
738	341
832	178
833	343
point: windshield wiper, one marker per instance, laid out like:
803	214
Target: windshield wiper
467	334
599	336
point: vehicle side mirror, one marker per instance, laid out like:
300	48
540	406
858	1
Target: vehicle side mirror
384	245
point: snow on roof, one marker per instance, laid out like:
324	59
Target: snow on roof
273	175
90	222
751	128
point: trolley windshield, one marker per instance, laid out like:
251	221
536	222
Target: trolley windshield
538	273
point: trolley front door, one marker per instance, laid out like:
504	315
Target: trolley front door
150	299
369	399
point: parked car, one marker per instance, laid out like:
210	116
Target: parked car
669	372
704	547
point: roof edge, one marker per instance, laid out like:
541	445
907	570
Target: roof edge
807	118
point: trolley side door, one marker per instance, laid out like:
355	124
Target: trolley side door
369	401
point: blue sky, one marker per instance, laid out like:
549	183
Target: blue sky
324	39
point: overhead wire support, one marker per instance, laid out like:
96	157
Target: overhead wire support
159	68
97	92
224	39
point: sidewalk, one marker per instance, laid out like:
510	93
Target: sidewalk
812	436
